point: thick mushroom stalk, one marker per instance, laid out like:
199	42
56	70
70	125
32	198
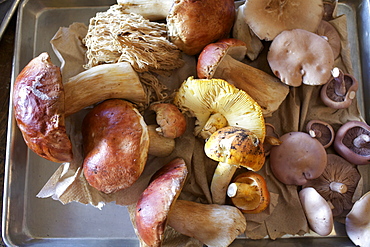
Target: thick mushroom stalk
339	92
232	147
152	10
212	224
103	82
249	193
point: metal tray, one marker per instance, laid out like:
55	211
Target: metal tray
29	221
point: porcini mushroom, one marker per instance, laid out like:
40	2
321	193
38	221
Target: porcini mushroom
297	159
232	147
218	60
249	192
194	24
352	142
298	56
39	110
268	18
317	210
358	222
116	142
339	91
215	103
212	224
322	131
159	145
171	121
105	81
337	184
157	199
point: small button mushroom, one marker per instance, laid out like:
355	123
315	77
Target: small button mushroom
317	210
352	142
268	18
339	92
249	193
171	121
337	184
358	222
232	147
194	24
115	143
216	103
322	131
298	56
39	109
220	60
157	199
297	159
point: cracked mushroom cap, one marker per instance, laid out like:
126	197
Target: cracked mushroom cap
358	221
157	200
213	101
268	18
38	101
352	142
298	56
194	24
337	184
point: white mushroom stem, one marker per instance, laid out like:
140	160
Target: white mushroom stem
361	141
340	86
213	225
248	191
103	82
150	9
220	181
338	187
216	121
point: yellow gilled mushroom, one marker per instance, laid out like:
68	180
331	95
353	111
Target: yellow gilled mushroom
216	104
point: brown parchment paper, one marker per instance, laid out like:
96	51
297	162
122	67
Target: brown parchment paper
284	215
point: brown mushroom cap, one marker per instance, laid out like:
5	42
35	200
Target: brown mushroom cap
297	159
340	90
171	121
268	18
116	142
358	221
38	100
194	24
337	183
352	142
157	199
330	33
322	131
298	56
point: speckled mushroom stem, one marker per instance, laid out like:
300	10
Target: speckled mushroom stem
338	187
248	191
362	140
220	181
339	84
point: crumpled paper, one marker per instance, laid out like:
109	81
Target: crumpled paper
284	215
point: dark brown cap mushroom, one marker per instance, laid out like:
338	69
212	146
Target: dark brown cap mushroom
298	158
330	33
38	100
157	199
337	184
339	91
352	142
298	56
358	221
322	131
194	24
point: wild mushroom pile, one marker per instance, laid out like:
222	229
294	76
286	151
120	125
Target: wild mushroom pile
250	66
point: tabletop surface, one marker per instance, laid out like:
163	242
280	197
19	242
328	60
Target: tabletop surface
6	57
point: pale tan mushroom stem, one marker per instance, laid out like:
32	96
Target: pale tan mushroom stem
220	181
248	191
159	145
338	187
103	82
150	9
212	224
